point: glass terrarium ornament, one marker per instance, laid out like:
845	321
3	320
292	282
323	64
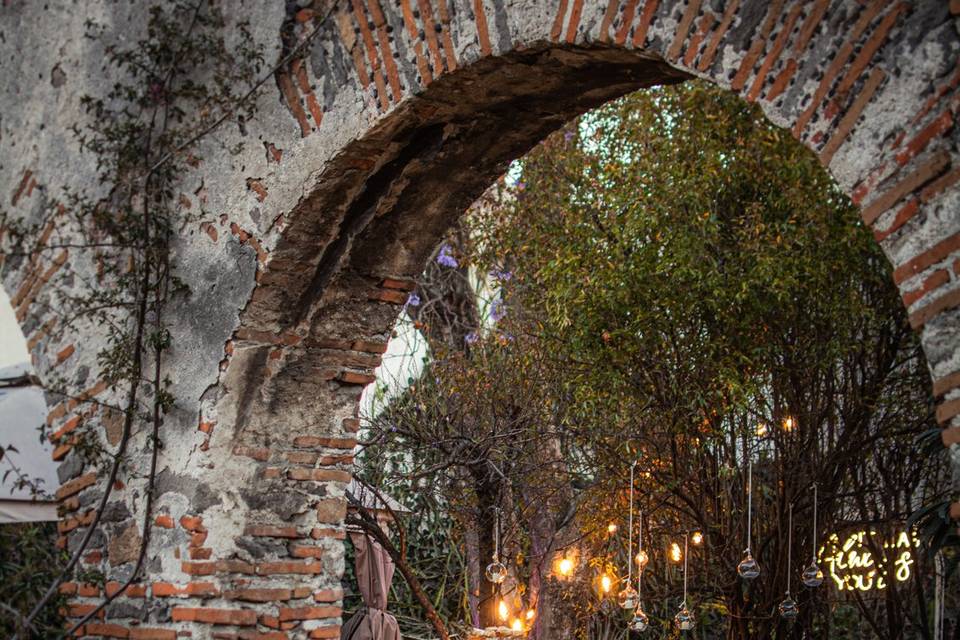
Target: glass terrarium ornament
496	571
627	598
640	621
788	608
812	576
748	567
684	619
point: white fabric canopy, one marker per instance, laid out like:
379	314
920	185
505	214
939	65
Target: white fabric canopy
23	412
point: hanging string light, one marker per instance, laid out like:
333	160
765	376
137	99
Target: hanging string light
640	621
684	619
627	598
812	576
748	567
788	608
496	571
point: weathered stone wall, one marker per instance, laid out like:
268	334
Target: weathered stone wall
361	155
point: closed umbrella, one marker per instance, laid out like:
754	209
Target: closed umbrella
374	574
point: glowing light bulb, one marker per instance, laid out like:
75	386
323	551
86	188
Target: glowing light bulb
789	424
530	614
675	553
642	558
606	583
761	430
565	567
503	610
697	538
516	625
611	528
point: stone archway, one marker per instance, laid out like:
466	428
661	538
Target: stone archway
401	114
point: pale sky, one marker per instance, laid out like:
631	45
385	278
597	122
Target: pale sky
13	346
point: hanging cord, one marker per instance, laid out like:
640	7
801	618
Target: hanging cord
938	604
686	548
496	534
630	528
639	554
814	550
749	497
789	546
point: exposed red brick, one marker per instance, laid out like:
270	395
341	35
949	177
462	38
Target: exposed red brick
683	29
626	21
302	457
164	521
608	16
902	217
935	308
927	258
326	632
318	475
76	485
388	295
61	451
938	127
65	353
144	633
197	553
320	533
289	567
938	278
870	48
257	453
192	523
758	45
133	591
852	115
483	32
352	377
67	427
259	595
923	174
779	43
950	436
646	18
239	617
190	589
308	613
328	595
305	551
946	383
947	410
311	442
106	630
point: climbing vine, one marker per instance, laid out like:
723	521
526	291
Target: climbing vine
191	72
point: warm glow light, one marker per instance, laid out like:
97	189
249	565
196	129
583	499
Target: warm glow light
675	553
516	625
642	558
565	567
697	538
606	583
611	528
530	614
853	566
503	610
761	430
789	424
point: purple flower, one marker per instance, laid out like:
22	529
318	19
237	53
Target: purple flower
446	258
471	337
568	135
501	275
497	310
413	300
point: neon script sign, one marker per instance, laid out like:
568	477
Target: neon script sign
867	560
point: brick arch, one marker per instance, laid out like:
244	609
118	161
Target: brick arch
412	108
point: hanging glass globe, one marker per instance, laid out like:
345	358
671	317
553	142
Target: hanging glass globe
496	572
642	559
748	567
684	619
627	598
812	576
640	620
788	608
